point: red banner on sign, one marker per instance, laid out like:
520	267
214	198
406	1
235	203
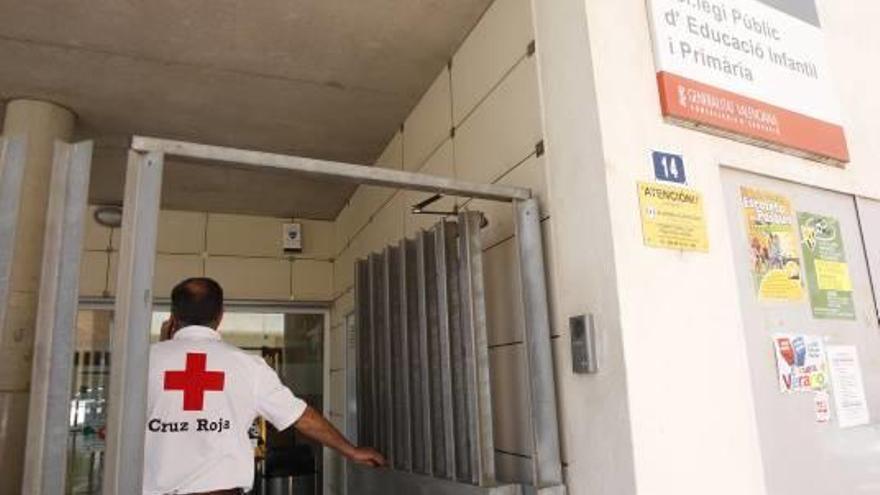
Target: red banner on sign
692	101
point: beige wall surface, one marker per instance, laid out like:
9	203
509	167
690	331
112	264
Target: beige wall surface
693	421
243	253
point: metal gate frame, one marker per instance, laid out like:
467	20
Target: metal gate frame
130	346
45	466
48	410
12	162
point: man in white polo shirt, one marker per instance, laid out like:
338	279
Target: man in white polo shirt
204	395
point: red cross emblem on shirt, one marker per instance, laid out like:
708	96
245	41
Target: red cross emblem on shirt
194	381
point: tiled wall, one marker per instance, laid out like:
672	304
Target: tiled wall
479	121
243	253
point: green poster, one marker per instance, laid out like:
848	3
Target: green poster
826	268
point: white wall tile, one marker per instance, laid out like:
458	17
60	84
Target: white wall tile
251	278
243	235
337	348
93	273
171	269
312	280
317	239
365	202
341	308
503	130
386	227
530	174
234	242
428	124
359	248
343	229
343	272
181	232
392	156
440	164
96	236
510	404
492	48
504	314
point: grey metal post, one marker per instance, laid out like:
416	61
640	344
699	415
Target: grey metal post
362	366
474	328
388	369
457	355
402	416
444	369
123	472
49	412
351	390
424	400
546	463
12	159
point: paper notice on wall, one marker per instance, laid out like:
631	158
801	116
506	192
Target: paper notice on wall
773	245
825	267
850	402
672	217
800	363
822	403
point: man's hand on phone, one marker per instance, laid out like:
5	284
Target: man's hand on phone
169	326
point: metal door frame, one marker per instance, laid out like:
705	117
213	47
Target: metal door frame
133	307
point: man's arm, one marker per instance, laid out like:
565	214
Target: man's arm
316	427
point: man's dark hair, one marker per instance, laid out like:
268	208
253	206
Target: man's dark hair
197	301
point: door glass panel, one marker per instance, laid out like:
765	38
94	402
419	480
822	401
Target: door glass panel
88	402
290	343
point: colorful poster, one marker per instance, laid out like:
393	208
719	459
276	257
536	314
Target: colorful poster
800	363
773	244
756	69
672	217
825	267
849	389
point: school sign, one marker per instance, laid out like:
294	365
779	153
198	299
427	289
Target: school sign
753	69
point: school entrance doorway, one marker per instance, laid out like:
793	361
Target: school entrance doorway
416	384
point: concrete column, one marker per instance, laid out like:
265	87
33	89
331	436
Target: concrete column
42	123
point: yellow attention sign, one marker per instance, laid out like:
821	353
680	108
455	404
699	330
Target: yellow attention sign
672	217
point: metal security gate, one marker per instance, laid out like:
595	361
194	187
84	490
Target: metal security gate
127	411
423	372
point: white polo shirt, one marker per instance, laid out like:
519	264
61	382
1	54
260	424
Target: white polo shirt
204	395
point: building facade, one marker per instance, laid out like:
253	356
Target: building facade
709	198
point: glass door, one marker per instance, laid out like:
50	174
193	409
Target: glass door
291	342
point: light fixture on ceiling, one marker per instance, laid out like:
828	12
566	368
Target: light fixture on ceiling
109	216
